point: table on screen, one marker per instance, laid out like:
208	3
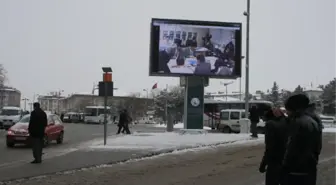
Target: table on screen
189	65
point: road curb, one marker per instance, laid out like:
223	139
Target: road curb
144	156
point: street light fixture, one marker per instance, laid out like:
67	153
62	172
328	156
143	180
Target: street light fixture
226	88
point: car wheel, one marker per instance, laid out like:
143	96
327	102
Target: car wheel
60	138
10	144
226	129
45	141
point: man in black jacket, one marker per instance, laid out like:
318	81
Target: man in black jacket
37	124
254	118
123	122
275	146
304	143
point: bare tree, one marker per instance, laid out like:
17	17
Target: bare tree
3	75
3	78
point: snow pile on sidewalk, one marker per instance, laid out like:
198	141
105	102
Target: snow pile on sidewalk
168	141
178	125
329	129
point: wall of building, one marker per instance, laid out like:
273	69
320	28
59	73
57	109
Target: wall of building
78	102
50	103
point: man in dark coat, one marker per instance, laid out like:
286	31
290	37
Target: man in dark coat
304	143
37	124
275	146
254	118
123	122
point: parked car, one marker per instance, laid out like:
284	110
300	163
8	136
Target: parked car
18	133
72	117
230	121
9	116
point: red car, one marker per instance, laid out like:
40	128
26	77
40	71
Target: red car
18	133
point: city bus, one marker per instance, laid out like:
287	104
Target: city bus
213	107
95	114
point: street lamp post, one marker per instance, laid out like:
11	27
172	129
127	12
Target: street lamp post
240	84
25	103
226	88
58	100
247	14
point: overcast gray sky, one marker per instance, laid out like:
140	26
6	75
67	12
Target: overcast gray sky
62	44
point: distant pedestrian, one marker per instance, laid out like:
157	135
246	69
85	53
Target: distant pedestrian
304	143
37	124
62	116
123	122
275	146
254	118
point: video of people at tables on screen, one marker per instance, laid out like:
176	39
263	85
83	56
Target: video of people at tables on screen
194	50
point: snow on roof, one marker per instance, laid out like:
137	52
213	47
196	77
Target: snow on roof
313	89
226	99
11	108
96	107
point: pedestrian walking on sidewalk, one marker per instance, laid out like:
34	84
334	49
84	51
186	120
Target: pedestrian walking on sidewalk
123	122
275	146
37	124
304	143
254	118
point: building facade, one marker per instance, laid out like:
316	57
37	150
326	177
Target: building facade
50	103
9	96
78	102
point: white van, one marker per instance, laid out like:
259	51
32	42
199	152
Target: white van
9	116
230	121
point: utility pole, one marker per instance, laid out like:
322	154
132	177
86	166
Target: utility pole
247	14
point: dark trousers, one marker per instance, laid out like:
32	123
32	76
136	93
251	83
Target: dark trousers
302	179
37	147
253	129
123	128
273	175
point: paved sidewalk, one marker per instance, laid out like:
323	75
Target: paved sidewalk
75	160
80	159
233	165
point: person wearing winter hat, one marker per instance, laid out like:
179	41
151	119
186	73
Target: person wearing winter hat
303	147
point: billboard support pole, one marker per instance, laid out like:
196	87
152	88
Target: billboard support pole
247	94
193	102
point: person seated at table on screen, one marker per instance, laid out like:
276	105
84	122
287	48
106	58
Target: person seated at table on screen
187	52
223	69
164	58
202	67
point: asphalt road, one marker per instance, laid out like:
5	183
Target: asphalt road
235	165
76	135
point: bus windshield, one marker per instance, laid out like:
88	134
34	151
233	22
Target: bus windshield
94	111
90	112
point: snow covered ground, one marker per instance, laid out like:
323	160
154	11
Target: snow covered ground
178	125
330	129
169	141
